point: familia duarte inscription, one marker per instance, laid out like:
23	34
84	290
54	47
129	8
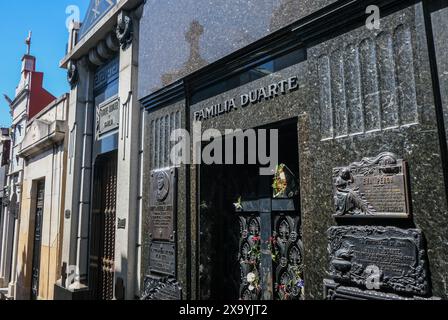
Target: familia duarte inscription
253	97
391	258
373	187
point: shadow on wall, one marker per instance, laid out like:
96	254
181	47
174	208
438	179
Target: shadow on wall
120	290
21	281
195	60
284	14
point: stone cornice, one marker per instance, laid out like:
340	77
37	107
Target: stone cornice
99	32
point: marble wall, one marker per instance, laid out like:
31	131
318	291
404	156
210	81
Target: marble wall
377	98
159	125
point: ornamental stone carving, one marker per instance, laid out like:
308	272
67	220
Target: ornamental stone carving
72	73
124	30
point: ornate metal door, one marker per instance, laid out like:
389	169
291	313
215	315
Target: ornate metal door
102	257
271	248
250	229
265	250
40	196
271	262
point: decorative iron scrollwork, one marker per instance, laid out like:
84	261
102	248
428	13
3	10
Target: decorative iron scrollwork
250	256
287	255
124	29
271	261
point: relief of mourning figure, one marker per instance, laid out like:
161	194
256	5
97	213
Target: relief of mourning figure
356	186
347	199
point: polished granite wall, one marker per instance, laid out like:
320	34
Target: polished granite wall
371	92
158	128
179	37
360	93
440	31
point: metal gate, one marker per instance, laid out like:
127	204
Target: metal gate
255	251
250	228
271	250
102	248
40	197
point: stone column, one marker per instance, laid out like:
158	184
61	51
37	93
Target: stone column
3	243
5	263
14	271
77	195
128	161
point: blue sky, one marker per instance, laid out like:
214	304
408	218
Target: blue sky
46	19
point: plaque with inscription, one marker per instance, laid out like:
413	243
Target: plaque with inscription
375	187
108	118
379	258
335	291
156	288
162	258
162	204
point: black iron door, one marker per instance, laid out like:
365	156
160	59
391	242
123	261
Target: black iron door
271	249
250	229
102	245
40	196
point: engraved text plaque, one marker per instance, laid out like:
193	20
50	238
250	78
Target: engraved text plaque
162	258
375	187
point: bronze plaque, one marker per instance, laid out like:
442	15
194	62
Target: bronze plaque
375	187
162	204
157	288
379	258
162	258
